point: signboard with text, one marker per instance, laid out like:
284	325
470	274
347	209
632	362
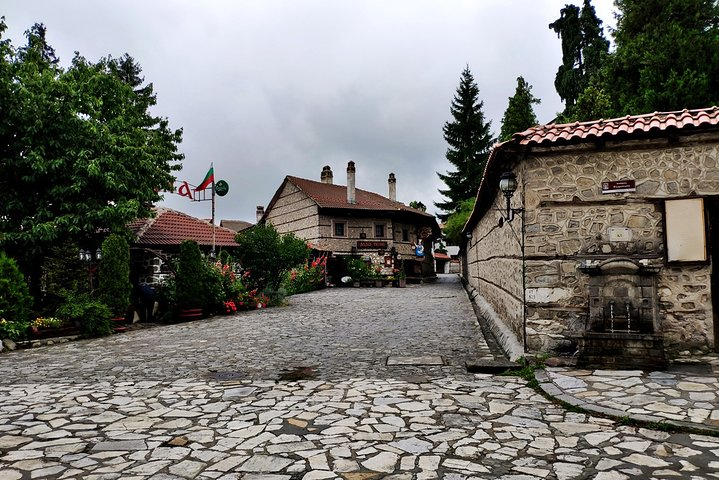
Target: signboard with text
619	186
371	245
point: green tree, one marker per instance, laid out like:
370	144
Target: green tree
15	300
666	56
455	223
80	151
519	115
115	286
269	255
584	51
190	275
469	139
417	205
593	103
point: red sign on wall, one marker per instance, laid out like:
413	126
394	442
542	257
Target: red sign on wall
371	245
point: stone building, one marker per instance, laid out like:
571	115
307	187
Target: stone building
345	220
158	239
605	249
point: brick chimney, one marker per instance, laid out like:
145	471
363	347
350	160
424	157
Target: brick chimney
326	176
392	182
260	213
351	183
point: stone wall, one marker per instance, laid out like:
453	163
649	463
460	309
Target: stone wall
295	212
569	221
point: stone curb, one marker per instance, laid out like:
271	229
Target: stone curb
554	392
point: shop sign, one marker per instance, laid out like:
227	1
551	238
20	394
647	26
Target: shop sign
371	245
619	186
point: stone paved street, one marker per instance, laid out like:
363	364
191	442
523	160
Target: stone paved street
390	398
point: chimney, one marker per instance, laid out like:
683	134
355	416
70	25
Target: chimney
392	182
260	213
351	183
326	176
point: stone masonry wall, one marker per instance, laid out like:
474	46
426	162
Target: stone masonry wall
295	212
570	221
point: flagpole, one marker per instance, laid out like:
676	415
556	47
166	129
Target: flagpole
212	167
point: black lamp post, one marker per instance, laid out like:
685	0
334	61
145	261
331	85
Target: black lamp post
90	259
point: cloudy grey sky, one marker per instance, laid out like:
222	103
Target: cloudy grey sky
268	88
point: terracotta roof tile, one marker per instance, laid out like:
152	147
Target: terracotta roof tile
170	227
629	125
335	196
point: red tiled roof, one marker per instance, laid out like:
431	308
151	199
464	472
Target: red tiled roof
629	125
623	128
327	195
170	227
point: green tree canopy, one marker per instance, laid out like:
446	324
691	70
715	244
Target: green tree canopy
268	254
469	139
666	57
584	51
519	115
455	223
416	204
80	151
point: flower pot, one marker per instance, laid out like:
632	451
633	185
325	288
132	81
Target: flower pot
401	283
187	314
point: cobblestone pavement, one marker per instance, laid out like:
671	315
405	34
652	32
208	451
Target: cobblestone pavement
684	395
203	400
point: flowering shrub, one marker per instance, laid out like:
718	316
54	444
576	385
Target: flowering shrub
230	307
307	278
47	322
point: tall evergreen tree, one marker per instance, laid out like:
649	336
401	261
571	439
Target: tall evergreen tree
469	139
519	115
666	57
584	51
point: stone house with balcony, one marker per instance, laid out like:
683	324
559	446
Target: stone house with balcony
347	221
607	247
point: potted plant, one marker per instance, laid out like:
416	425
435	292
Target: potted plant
401	276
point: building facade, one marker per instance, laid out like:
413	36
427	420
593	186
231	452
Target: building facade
612	236
345	220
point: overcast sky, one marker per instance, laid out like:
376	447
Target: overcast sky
269	88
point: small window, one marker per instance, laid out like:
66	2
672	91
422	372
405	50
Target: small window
405	235
340	229
379	231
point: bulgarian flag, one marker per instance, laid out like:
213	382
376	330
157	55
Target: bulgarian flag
209	179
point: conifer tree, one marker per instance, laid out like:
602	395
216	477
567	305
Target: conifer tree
584	51
666	57
469	139
519	115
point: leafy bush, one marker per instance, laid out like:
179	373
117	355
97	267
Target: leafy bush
359	270
13	330
92	316
268	255
15	299
115	286
64	272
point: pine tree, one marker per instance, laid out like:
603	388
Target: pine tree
519	115
666	57
584	52
469	140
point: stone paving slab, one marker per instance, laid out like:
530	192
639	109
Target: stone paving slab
204	400
485	427
682	398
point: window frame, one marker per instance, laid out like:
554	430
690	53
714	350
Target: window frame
335	224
